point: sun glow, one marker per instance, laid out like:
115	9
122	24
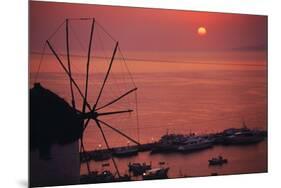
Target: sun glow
202	31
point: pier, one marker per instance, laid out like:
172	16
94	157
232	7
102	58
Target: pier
174	142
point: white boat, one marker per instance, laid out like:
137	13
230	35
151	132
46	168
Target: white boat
195	143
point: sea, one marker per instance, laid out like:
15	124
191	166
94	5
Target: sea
176	94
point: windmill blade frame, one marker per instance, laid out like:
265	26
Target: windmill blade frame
92	111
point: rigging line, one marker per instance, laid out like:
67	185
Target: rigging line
107	74
126	66
137	116
51	36
77	39
126	69
66	71
40	62
112	38
88	66
122	76
171	61
68	63
117	99
128	81
81	19
118	131
107	59
79	42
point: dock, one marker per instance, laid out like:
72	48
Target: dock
171	142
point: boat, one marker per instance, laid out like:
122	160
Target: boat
156	173
243	137
103	177
138	169
178	142
217	161
168	143
194	144
125	151
96	177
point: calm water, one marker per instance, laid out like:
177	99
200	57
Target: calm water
179	98
245	159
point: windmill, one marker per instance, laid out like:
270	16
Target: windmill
90	111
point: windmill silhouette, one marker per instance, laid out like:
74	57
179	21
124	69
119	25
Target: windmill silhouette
88	112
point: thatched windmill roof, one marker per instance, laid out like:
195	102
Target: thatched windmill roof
52	121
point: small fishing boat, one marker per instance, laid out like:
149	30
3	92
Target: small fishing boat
138	169
156	173
96	177
103	177
217	161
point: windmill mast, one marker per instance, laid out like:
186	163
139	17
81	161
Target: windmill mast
68	62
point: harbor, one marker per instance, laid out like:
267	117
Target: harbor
103	112
140	163
180	143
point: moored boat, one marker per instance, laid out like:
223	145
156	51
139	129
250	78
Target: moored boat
217	161
138	169
194	144
243	137
96	177
156	173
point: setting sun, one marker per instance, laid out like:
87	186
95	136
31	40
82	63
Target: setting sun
201	31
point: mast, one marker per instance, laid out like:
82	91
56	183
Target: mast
106	76
88	65
68	62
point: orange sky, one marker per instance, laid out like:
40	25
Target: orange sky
140	29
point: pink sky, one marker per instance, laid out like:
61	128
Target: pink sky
143	29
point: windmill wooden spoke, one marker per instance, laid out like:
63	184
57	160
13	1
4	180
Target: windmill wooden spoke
107	145
68	63
106	76
114	112
94	115
118	131
117	99
86	123
88	64
91	113
69	75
